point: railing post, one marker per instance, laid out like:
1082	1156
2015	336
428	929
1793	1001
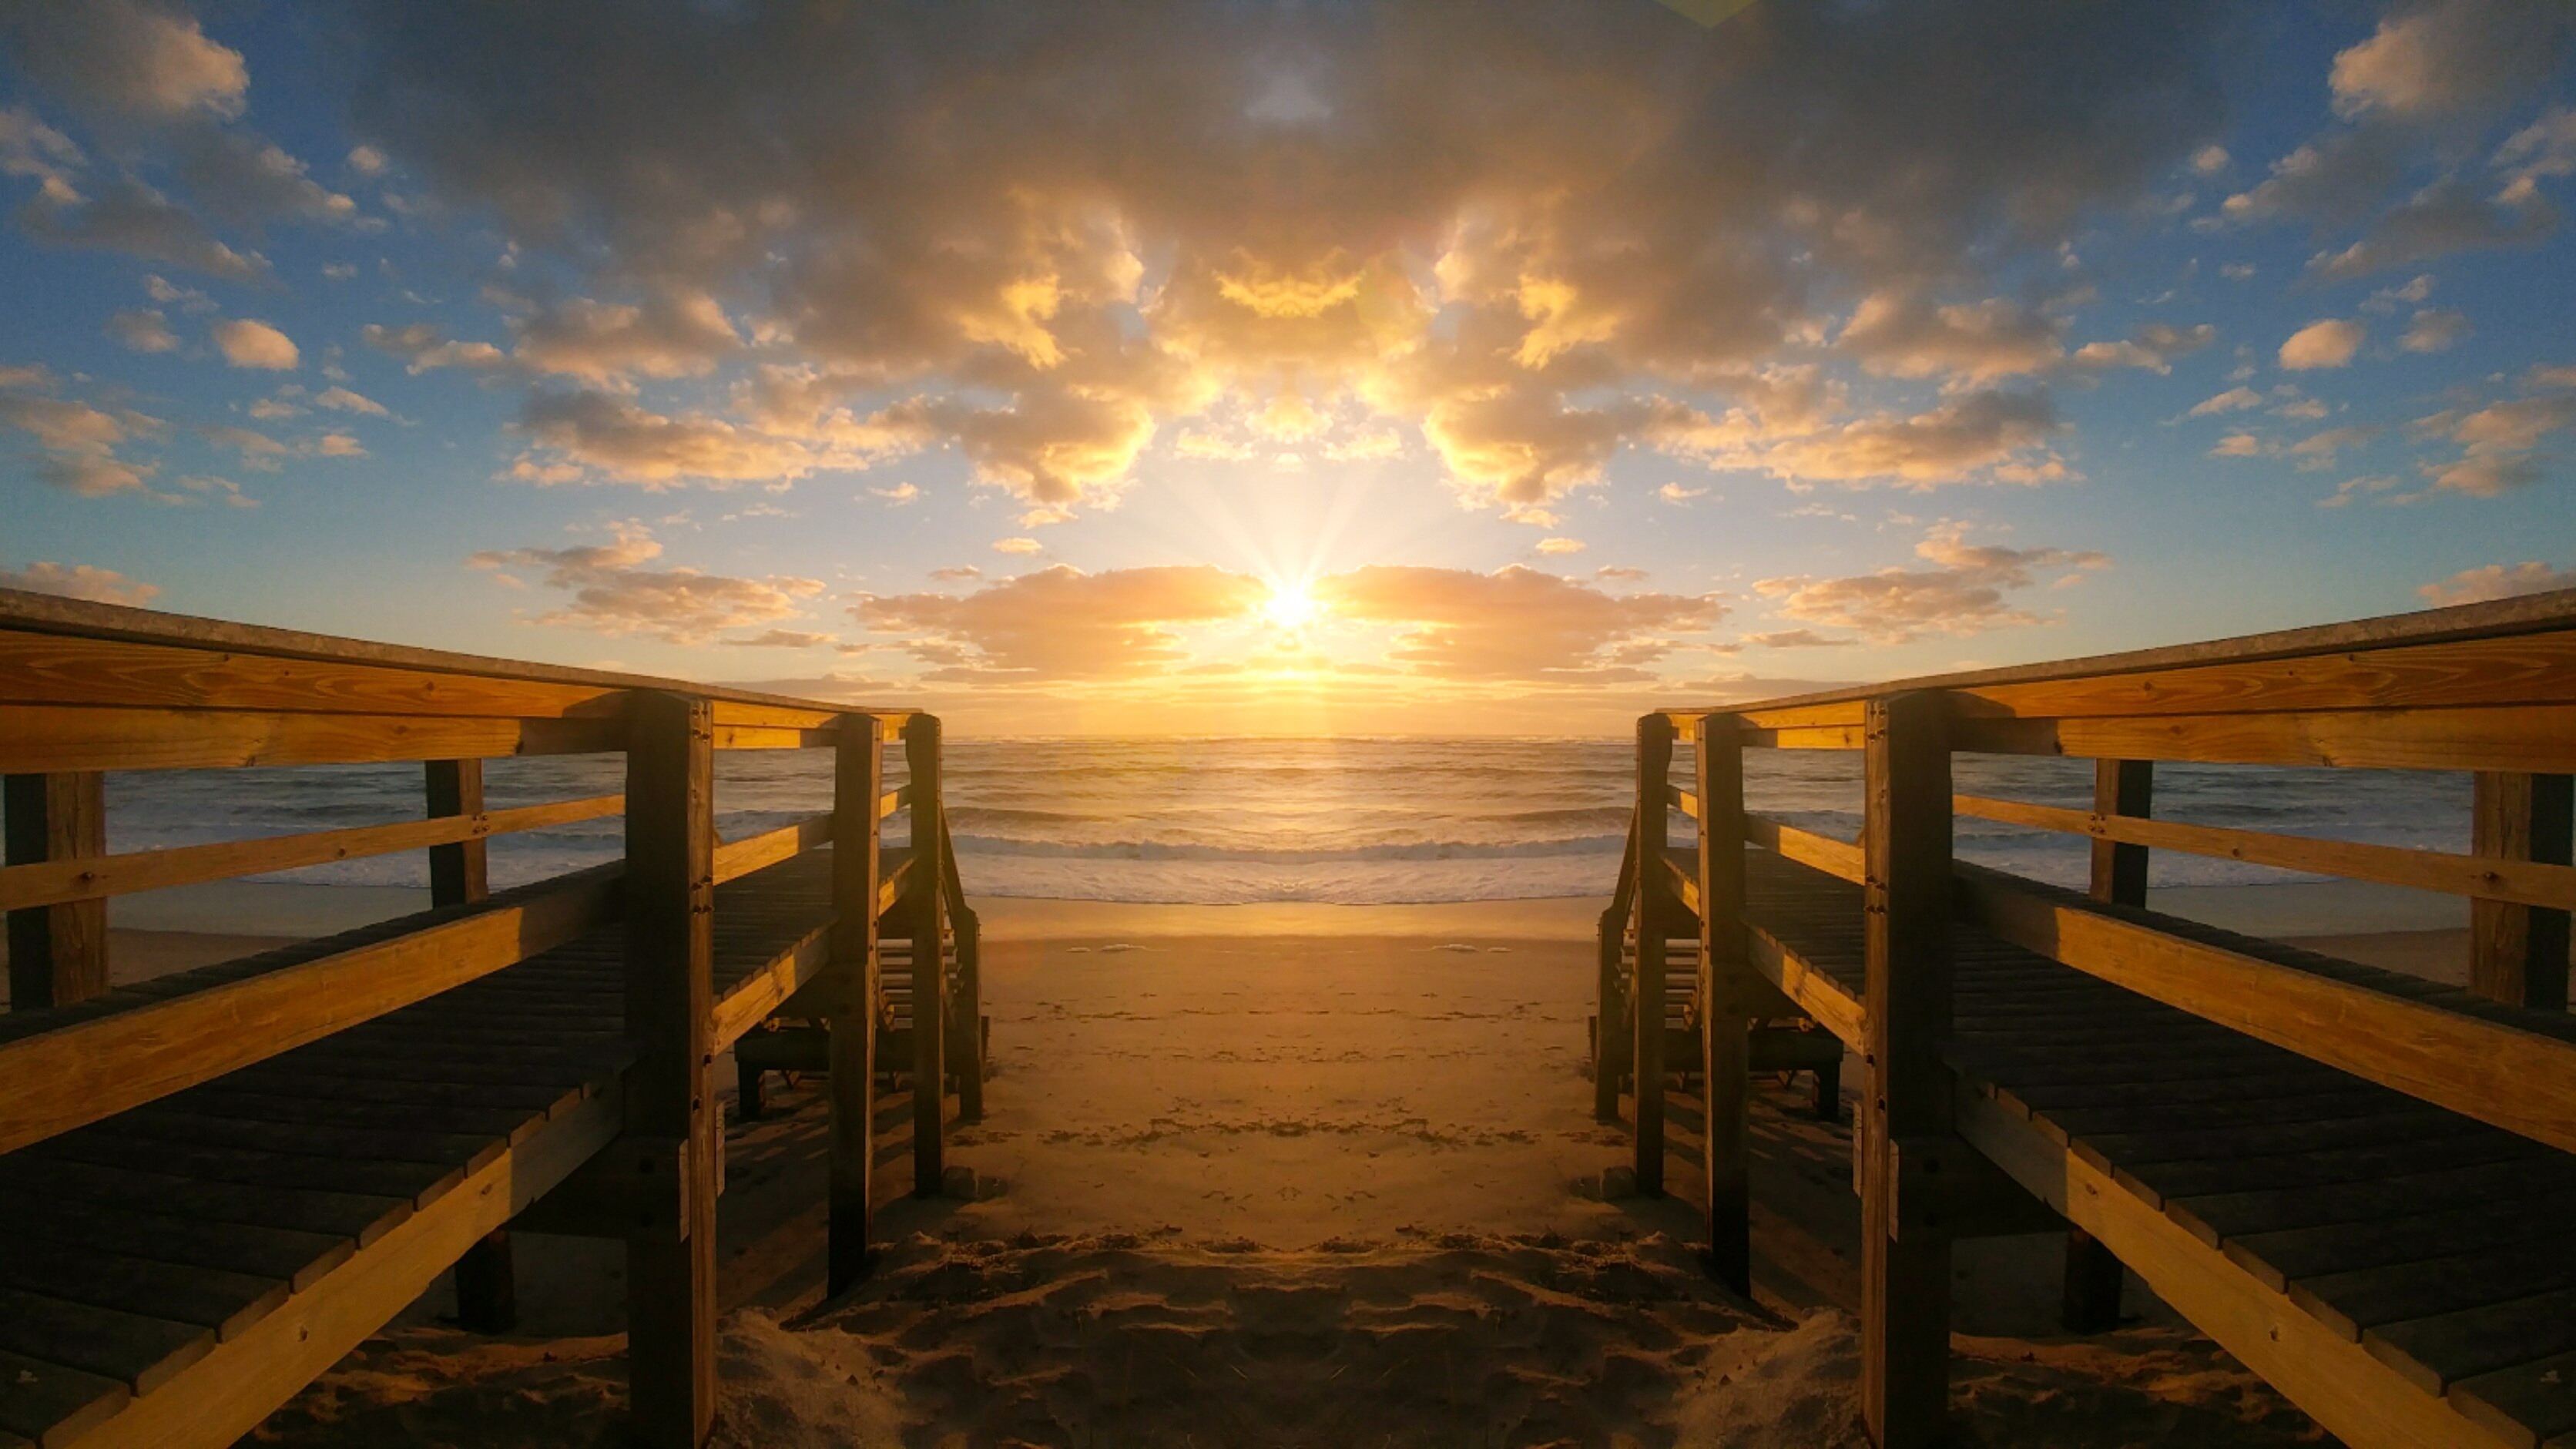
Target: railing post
967	1011
1718	763
487	1286
929	984
670	1092
1654	918
1609	1035
1905	1283
2517	953
858	783
2090	1301
57	954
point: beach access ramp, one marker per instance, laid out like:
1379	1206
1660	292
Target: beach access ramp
215	1183
2356	1181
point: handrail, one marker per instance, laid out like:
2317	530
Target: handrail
56	882
2486	877
736	858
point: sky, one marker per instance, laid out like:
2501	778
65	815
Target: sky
1287	367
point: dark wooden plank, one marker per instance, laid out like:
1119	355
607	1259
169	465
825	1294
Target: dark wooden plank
2214	1217
1725	981
297	1257
1658	915
2529	1404
422	1182
223	1301
2157	1181
2434	1353
52	1404
337	1214
2404	1123
2356	1298
139	1351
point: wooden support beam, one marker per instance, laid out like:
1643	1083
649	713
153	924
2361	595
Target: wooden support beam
57	953
858	785
1718	764
51	739
487	1288
1656	911
670	1092
1905	1282
929	978
2089	1296
1834	857
2531	738
2518	953
1946	1188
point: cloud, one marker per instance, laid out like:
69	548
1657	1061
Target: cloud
1514	623
340	399
1061	623
1555	546
1621	573
2448	216
1675	493
2209	160
675	332
366	160
2234	400
2435	331
422	347
957	571
2498	443
244	179
1063	241
623	442
1963	593
80	581
899	495
125	215
2497	581
127	56
1797	639
248	343
78	442
2153	348
2327	343
2238	445
614	592
780	639
1986	435
1902	334
143	331
1018	546
2449	57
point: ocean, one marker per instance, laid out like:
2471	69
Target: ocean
1233	820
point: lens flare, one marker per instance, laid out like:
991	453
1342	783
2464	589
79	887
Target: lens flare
1290	607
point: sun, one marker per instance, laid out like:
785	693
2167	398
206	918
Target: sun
1289	607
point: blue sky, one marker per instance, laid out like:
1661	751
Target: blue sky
1262	367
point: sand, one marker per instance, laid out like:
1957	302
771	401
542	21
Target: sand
1290	1175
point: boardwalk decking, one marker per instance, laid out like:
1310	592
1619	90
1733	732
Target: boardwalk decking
2394	1253
158	1255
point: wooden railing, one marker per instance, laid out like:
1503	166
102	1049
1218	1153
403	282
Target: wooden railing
86	690
2489	690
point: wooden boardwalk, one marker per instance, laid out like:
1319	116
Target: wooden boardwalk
215	1183
2359	1182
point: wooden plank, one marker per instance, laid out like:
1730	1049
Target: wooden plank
224	1395
2337	1382
894	799
729	714
225	1302
51	1404
2355	1276
1814	737
139	1351
928	906
1658	914
65	669
966	1006
2123	790
89	1069
758	995
57	953
152	870
51	614
858	790
1838	858
2434	1353
1609	1041
766	737
2498	1073
47	738
422	1182
2525	615
2513	669
459	873
332	1213
1725	1031
2428	870
300	1258
2522	823
1905	1282
738	858
2527	1405
1816	991
670	1092
2533	739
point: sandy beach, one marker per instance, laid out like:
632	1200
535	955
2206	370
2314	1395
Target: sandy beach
1282	1174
